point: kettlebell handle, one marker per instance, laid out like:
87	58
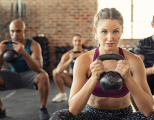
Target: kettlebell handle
110	81
10	42
110	57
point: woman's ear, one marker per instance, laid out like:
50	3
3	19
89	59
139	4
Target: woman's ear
152	24
72	41
95	30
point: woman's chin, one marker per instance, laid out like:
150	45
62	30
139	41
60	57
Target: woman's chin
110	50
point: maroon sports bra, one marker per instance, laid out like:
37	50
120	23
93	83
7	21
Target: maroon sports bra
115	94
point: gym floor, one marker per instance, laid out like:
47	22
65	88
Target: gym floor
23	104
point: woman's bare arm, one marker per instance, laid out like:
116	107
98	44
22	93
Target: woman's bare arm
64	63
138	86
81	90
149	70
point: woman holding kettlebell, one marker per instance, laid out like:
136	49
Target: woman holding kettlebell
86	91
62	78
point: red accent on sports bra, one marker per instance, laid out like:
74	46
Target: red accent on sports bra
115	94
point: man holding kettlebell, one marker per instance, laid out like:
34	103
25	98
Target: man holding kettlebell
28	67
62	78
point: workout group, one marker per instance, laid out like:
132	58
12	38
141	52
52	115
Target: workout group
104	81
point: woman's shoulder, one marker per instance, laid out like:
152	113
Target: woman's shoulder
131	57
87	56
83	61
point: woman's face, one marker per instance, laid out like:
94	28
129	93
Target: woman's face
77	42
108	33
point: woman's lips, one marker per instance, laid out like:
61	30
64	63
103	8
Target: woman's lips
109	44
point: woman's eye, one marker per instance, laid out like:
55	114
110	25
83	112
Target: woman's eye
115	31
104	31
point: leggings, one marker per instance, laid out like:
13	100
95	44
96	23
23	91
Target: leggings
91	113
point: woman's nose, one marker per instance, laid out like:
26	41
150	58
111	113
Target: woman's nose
109	36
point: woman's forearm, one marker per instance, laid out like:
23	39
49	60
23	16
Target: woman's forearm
143	100
79	100
61	68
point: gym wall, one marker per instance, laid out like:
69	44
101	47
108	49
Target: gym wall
58	20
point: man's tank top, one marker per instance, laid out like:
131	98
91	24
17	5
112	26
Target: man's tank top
21	65
115	94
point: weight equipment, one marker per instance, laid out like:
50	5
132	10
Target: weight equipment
57	61
90	48
57	49
44	47
10	56
73	61
45	52
83	46
62	50
111	80
43	41
46	63
68	48
45	57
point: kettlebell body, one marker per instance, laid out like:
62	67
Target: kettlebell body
111	80
11	56
73	61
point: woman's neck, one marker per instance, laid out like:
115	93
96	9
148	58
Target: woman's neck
77	49
109	51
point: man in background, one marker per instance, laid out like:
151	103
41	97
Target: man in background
145	50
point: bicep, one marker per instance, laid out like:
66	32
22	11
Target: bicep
139	74
79	77
36	53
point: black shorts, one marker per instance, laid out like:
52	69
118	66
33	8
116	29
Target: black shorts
150	80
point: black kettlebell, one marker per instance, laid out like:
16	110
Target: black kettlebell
10	56
73	61
111	80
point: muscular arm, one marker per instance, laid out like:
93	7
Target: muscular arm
64	63
3	48
139	88
35	60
